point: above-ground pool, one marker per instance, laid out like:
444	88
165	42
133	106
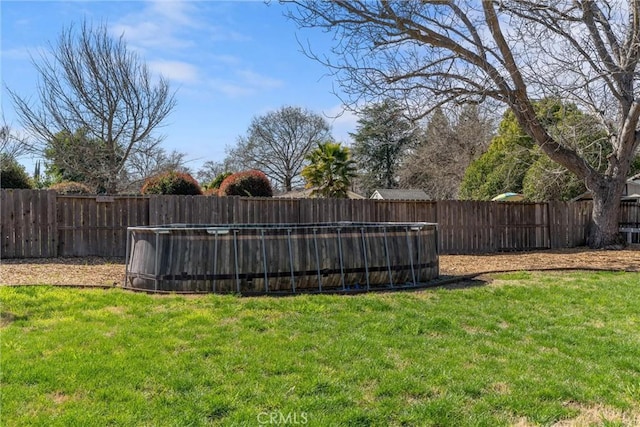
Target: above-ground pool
281	258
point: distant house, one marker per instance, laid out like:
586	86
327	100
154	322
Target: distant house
631	192
306	194
632	189
398	194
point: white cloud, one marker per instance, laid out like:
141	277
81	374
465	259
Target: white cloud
228	60
148	34
231	89
259	81
165	23
159	24
179	12
175	70
244	83
20	54
343	122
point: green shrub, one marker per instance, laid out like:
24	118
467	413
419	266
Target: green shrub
70	187
217	181
13	174
176	183
251	183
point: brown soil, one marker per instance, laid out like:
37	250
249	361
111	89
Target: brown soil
89	271
576	258
96	271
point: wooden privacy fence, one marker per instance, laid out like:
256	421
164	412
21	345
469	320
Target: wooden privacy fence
29	224
464	226
38	223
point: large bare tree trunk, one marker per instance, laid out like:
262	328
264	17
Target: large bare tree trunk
604	230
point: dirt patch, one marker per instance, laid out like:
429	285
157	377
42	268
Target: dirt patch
577	258
592	416
87	271
600	415
96	271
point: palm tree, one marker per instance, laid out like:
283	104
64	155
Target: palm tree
330	170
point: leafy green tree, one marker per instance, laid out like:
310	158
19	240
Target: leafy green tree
514	163
76	157
502	167
12	146
12	173
330	170
40	179
217	181
381	139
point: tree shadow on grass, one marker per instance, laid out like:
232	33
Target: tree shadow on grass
6	318
461	282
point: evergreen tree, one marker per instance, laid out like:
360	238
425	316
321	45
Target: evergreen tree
12	173
513	163
382	137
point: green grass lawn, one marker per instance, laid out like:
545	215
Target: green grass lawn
527	348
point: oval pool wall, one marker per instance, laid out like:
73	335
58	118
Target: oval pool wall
252	259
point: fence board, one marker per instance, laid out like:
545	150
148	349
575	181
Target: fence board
19	242
629	214
26	228
580	216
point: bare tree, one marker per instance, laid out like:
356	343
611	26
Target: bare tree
211	169
447	147
147	160
12	144
90	82
433	52
278	142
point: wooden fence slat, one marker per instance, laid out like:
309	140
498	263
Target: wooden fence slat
10	228
19	224
42	225
6	224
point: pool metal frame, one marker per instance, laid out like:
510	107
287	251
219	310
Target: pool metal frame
225	229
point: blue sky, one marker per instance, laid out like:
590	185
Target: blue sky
228	60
